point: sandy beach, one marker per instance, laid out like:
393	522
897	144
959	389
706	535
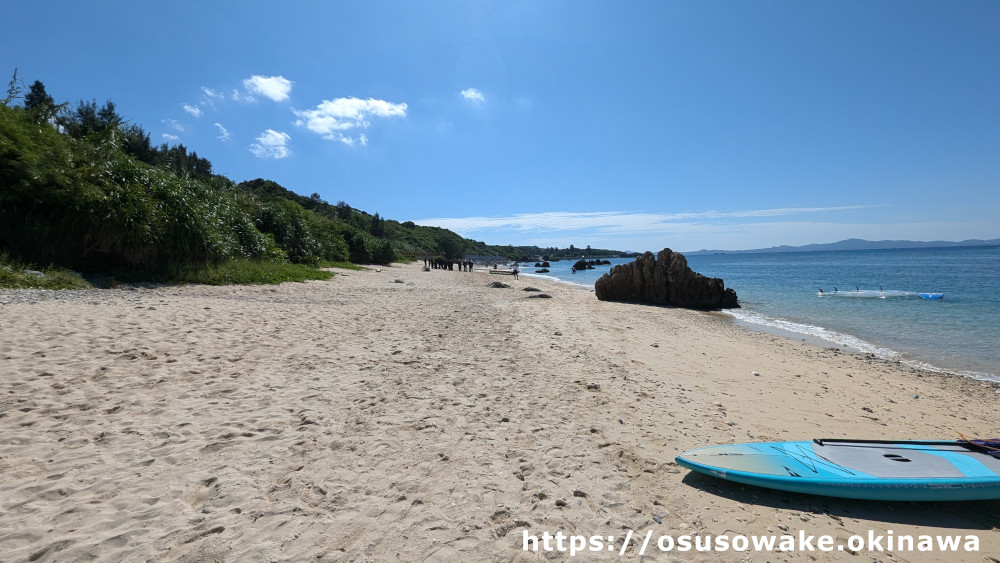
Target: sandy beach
398	414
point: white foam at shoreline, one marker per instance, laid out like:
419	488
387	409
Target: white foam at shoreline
560	280
790	329
820	334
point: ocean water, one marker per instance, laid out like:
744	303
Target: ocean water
779	293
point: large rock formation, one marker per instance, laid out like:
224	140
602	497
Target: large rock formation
664	279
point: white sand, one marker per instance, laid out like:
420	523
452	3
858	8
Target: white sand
436	419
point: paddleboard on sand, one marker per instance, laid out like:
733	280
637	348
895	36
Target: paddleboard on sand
861	469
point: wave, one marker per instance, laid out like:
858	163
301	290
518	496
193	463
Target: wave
814	332
558	279
825	336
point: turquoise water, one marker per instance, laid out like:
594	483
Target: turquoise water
779	292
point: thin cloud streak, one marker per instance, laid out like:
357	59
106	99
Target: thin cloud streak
615	223
745	235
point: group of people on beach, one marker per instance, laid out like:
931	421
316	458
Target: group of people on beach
442	264
463	265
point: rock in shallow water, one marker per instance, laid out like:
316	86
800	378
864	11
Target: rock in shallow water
664	279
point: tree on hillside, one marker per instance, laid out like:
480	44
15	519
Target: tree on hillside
450	244
316	202
135	142
40	105
108	116
177	160
343	210
87	119
378	226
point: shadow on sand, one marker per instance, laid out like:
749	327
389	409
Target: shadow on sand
967	515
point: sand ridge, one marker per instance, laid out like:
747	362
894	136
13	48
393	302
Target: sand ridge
398	414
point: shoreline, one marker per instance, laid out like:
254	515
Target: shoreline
430	417
791	330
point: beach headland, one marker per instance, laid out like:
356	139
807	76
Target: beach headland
398	414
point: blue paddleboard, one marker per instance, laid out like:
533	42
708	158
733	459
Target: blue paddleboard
875	469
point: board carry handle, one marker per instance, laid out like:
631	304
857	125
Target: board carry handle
824	441
991	447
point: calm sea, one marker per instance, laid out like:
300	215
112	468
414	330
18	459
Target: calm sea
779	293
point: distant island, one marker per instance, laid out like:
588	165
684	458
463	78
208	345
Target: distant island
856	244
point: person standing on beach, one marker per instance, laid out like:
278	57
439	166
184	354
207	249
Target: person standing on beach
515	270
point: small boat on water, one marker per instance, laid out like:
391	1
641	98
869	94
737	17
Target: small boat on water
879	293
869	293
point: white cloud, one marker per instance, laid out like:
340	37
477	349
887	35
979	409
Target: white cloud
334	119
212	94
276	88
173	124
210	97
272	144
193	110
350	141
238	96
473	95
224	133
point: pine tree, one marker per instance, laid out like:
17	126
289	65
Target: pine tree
39	104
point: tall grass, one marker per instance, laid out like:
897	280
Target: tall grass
246	272
14	274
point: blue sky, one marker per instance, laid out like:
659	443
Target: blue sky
627	125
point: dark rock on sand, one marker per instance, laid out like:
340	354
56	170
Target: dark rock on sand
664	279
589	264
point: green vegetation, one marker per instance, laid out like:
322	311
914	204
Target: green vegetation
249	272
17	275
82	188
342	266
